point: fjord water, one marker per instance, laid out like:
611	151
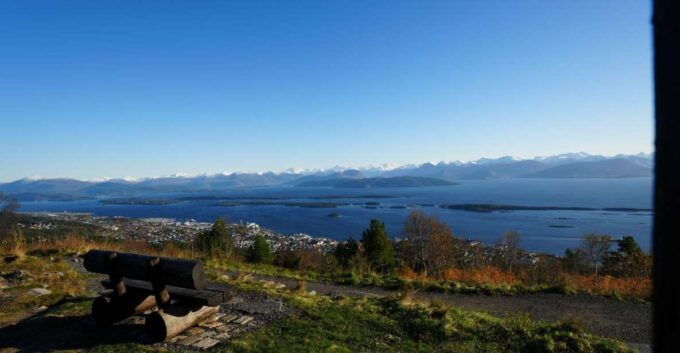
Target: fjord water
545	231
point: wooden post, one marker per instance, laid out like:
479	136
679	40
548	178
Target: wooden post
160	290
115	275
176	318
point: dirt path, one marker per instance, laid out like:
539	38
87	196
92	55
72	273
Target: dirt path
623	320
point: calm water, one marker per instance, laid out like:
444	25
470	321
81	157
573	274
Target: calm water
548	231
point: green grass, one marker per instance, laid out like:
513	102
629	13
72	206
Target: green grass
387	325
60	278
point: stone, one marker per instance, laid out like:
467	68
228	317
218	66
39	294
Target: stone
229	318
194	331
3	283
206	343
279	285
10	259
312	292
215	317
39	309
243	320
176	338
16	275
190	340
222	336
211	324
38	292
221	329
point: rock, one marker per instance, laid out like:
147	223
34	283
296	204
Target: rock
16	275
176	338
243	320
206	343
278	285
222	329
229	318
39	309
215	317
211	324
3	283
38	292
190	340
225	278
222	336
312	292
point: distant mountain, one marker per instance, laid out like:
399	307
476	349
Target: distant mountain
610	168
43	186
320	177
379	182
568	165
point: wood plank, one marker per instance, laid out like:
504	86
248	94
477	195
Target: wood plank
176	272
204	297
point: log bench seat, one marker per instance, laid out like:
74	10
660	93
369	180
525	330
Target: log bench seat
175	288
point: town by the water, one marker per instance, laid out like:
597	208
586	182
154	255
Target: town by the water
159	230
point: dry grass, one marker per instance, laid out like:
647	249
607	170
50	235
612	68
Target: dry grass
75	244
608	285
482	275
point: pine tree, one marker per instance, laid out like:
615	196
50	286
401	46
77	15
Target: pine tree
259	251
377	246
217	241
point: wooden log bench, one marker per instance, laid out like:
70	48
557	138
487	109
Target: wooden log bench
176	288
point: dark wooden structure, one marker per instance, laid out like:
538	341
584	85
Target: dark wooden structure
667	175
175	287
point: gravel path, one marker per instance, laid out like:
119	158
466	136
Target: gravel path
624	320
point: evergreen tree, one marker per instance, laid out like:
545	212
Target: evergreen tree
259	251
217	241
377	245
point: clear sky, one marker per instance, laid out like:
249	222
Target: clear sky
93	89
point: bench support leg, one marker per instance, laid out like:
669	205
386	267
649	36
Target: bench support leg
107	311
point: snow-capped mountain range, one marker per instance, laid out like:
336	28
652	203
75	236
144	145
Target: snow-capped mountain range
569	165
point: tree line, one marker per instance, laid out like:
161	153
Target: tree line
428	247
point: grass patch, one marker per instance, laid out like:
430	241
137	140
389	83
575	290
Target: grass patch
51	273
392	325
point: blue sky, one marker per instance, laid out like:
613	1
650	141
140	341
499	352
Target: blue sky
93	89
